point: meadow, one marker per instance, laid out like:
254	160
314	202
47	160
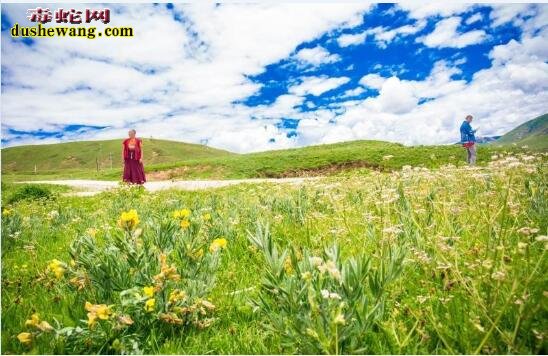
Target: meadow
415	260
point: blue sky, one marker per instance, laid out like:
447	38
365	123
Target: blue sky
251	77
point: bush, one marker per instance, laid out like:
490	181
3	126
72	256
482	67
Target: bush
30	192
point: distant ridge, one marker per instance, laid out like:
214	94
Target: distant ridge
533	133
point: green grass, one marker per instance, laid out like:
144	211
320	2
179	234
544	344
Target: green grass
307	161
80	157
472	280
533	133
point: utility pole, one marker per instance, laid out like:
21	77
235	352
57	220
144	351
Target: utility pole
97	163
35	169
110	158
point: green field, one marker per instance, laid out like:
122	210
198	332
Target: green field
85	157
307	161
415	261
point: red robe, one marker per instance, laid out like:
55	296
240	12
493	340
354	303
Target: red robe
134	172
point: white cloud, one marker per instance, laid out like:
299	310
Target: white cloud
316	56
200	67
474	18
351	39
382	35
422	10
317	85
373	81
354	92
446	35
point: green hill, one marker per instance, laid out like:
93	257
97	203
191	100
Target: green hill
315	160
533	133
88	155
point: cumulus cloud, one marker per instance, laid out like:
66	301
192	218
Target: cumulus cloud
316	56
446	35
189	70
351	39
184	70
317	85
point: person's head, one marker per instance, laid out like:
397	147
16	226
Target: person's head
469	118
131	133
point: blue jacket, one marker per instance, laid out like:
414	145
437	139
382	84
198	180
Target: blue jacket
466	133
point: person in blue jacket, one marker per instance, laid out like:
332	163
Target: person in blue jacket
468	139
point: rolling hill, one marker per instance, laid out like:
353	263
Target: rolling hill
90	155
533	133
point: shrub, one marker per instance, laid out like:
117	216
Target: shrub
323	304
30	192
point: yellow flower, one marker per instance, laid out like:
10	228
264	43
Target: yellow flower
149	305
171	318
288	266
176	296
149	291
56	267
91	232
129	219
206	217
92	318
181	214
101	311
33	321
217	244
25	338
185	224
6	212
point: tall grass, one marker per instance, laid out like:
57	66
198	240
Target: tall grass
418	260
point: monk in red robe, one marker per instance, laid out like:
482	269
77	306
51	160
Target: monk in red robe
132	154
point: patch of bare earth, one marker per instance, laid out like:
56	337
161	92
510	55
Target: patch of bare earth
324	170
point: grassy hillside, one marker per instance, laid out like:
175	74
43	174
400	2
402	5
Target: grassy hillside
533	133
85	155
316	160
198	162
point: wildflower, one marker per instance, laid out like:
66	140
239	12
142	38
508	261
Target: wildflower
33	321
387	157
149	291
316	261
288	267
91	232
150	304
333	270
217	244
129	219
53	214
97	311
80	281
171	318
176	295
328	295
527	231
25	338
6	212
125	319
208	305
166	272
206	217
56	267
181	214
498	275
307	276
339	319
185	224
542	238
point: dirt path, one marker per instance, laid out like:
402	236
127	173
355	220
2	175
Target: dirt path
92	187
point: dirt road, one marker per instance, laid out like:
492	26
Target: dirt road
92	187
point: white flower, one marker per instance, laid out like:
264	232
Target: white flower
315	261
